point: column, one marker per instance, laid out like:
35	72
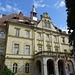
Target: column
56	68
45	69
44	66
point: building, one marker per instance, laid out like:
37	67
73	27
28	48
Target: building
29	46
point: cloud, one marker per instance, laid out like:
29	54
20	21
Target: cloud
0	3
9	8
62	3
40	3
59	4
64	28
16	10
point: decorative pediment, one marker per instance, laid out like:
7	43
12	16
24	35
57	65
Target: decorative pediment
45	14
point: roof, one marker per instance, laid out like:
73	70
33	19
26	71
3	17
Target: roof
20	18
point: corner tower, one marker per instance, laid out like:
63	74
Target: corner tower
33	14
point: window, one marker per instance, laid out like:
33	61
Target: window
56	50
44	24
40	48
55	39
65	50
1	53
48	26
39	36
27	50
27	34
48	48
63	40
16	48
17	32
15	67
2	34
47	37
27	68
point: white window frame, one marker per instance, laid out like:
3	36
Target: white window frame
63	40
55	39
39	36
17	32
15	68
16	48
27	68
27	50
27	34
39	48
48	49
47	37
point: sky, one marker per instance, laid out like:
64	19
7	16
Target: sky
56	9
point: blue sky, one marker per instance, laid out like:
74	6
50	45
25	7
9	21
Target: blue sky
56	9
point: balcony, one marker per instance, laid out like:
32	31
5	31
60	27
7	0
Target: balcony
51	53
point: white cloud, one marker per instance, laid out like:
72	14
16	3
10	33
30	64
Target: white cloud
59	4
64	28
2	9
40	3
62	3
16	10
9	8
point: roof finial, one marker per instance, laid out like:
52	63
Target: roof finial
33	10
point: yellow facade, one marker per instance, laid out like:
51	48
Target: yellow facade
40	39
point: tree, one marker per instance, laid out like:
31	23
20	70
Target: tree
70	4
6	71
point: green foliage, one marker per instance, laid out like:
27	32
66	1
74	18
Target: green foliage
70	4
6	71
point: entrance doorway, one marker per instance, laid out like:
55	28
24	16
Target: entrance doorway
38	67
61	67
50	67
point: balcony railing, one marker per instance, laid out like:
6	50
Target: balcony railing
51	53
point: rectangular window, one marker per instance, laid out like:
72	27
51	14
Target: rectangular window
48	26
16	48
39	36
65	50
55	39
27	34
39	48
63	40
17	32
56	50
47	37
2	34
27	50
44	24
48	48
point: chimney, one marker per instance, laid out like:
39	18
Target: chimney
0	15
4	15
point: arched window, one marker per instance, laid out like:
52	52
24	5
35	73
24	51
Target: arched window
27	68
15	67
2	34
